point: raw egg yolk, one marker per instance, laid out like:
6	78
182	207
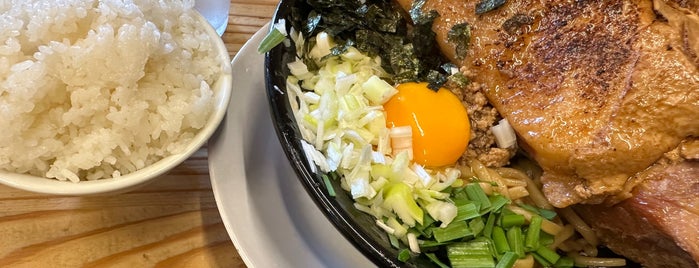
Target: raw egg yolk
439	122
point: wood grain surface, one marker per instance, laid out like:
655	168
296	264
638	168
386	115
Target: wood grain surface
172	222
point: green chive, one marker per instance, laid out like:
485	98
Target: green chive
466	211
531	240
507	221
548	254
436	260
547	214
541	260
471	261
459	194
476	194
474	253
474	247
498	202
432	243
404	255
477	225
328	185
273	38
500	240
545	239
565	262
453	231
489	223
514	239
394	241
507	261
427	221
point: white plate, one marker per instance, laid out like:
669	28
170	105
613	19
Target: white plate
268	215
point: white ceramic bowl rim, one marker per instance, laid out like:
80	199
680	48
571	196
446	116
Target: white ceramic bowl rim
222	91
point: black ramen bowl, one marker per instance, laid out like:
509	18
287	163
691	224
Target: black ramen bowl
359	228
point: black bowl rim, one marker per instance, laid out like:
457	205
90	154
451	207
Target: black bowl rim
289	137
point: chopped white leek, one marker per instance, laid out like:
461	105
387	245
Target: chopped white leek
504	134
412	243
385	227
401	140
298	69
377	90
323	45
425	178
442	211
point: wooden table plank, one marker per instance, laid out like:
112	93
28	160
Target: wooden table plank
171	222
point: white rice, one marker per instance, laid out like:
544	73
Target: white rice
98	89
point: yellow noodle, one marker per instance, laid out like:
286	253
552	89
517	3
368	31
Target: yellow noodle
467	172
590	250
526	213
564	247
483	173
526	262
538	197
479	170
513	182
534	192
597	262
531	169
512	173
572	246
579	225
501	187
487	187
569	246
517	192
567	232
550	227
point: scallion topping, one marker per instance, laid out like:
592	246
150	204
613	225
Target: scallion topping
474	253
507	261
547	214
466	210
476	194
531	240
328	185
549	255
565	262
404	255
514	239
455	230
500	240
489	224
275	37
510	220
436	260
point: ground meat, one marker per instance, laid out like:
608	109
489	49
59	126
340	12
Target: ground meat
482	117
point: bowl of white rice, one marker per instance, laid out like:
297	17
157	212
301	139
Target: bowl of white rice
102	96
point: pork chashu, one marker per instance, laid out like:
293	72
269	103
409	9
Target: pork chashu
596	90
659	225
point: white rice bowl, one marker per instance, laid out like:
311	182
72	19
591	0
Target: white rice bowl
99	96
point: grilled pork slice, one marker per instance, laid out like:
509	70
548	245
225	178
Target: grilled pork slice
659	225
596	90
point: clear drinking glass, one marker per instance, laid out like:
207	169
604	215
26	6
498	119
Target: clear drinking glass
215	11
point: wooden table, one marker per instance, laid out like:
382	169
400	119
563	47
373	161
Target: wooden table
172	222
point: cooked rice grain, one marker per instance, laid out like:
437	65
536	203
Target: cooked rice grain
99	89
